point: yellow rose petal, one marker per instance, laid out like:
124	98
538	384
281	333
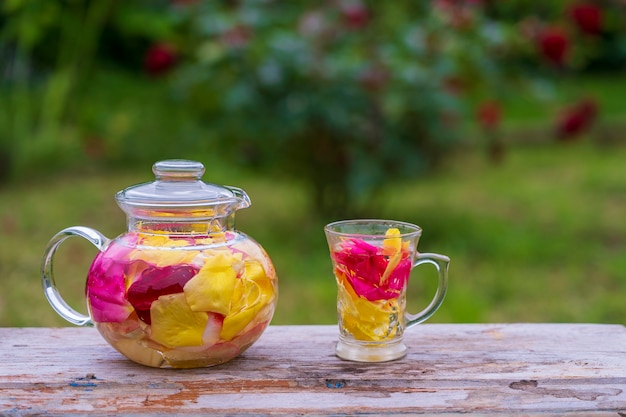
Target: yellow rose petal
370	321
174	324
255	272
363	319
252	292
393	243
393	263
211	289
244	307
235	323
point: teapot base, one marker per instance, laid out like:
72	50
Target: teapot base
136	347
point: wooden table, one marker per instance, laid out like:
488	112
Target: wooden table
497	369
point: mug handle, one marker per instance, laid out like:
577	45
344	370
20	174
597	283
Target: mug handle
441	263
47	276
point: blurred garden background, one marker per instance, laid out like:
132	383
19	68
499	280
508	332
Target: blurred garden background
496	125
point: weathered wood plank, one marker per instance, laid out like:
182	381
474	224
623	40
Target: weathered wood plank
529	369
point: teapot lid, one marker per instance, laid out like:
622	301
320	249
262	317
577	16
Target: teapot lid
179	192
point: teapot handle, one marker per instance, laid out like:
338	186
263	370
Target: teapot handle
50	290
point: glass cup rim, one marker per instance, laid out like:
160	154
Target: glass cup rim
332	227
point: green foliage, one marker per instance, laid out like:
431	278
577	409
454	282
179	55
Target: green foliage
47	66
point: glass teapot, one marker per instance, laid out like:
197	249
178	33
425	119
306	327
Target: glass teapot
181	288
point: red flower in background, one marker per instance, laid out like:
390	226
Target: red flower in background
159	59
489	115
554	44
355	15
587	17
576	119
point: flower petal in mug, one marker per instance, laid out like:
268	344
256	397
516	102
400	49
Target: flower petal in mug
371	274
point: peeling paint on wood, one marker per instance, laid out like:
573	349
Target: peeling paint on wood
525	369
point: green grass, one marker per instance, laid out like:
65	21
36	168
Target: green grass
540	237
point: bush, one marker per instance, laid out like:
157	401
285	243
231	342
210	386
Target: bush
346	96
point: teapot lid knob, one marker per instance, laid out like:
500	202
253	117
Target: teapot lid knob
178	169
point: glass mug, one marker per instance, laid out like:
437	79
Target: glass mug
372	261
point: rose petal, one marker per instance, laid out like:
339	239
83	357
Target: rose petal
212	288
370	271
174	324
106	290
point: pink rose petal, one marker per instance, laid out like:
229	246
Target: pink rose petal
364	266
